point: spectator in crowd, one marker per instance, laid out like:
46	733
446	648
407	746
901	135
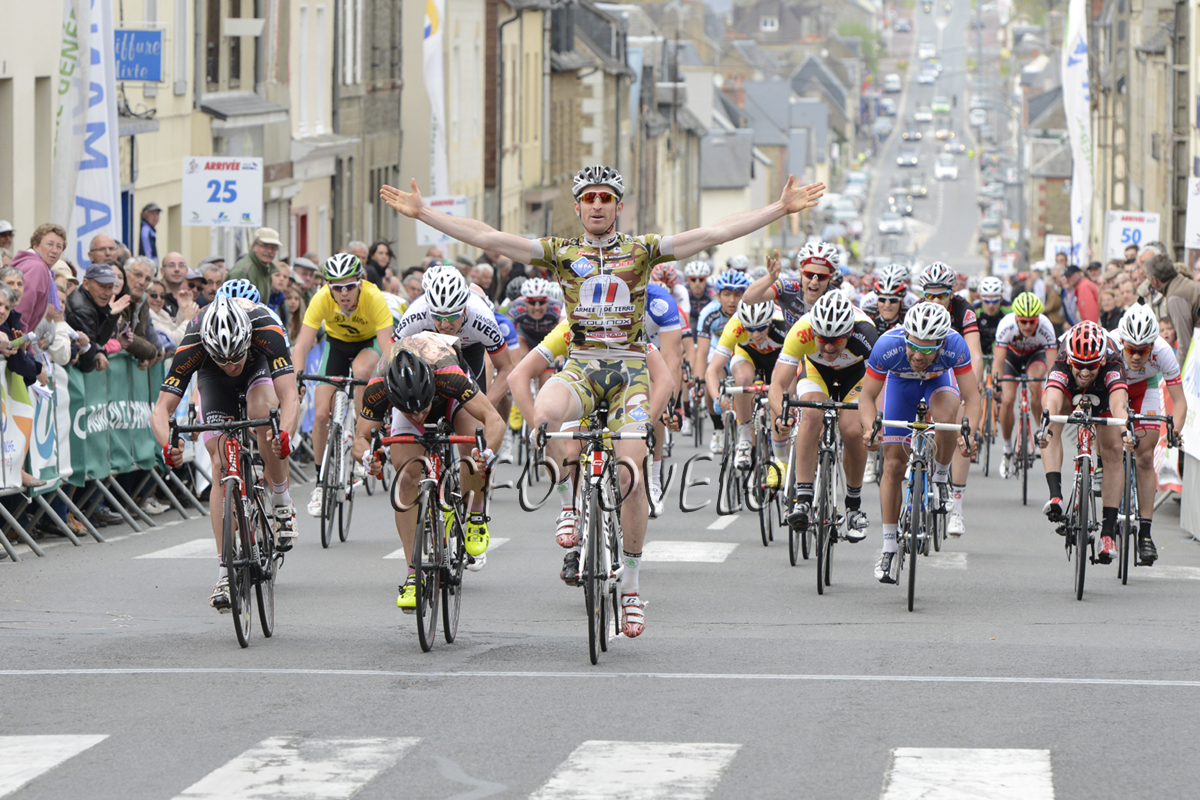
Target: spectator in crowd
67	283
213	261
65	279
93	311
195	283
1110	277
1196	270
1037	280
379	259
1131	252
483	276
19	361
257	265
435	252
360	251
1110	310
148	236
1053	306
412	285
391	285
1166	329
173	274
103	249
1080	296
6	242
1127	292
281	279
294	307
14	325
172	326
305	270
214	276
1178	299
1093	271
46	243
142	339
465	265
123	255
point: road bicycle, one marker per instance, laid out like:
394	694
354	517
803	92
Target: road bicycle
336	480
987	429
599	522
247	540
922	509
696	403
1024	456
824	518
439	544
1128	516
730	486
761	496
1080	522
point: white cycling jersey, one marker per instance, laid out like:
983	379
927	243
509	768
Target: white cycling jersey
1008	334
479	325
1162	361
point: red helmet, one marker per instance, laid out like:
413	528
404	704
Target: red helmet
665	274
1086	344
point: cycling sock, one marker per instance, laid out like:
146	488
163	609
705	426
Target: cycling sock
1008	446
566	494
1054	481
1143	528
804	493
1109	514
717	421
853	497
889	537
280	496
629	578
744	432
220	568
959	491
656	474
941	473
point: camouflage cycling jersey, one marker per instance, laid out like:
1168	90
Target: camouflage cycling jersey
604	288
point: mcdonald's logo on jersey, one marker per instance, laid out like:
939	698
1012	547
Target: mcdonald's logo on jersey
279	363
171	381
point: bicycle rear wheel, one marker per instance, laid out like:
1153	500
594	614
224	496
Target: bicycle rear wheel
451	579
987	433
917	520
427	563
823	518
762	492
237	564
1125	517
329	479
267	567
592	566
347	506
1082	532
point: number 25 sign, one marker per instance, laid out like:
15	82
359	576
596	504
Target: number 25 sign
219	192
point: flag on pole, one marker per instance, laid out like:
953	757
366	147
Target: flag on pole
1077	106
439	170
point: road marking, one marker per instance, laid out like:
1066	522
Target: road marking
299	767
947	774
399	554
197	548
27	757
695	552
558	676
635	770
1167	571
947	560
721	523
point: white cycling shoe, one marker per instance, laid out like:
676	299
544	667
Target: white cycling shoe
955	525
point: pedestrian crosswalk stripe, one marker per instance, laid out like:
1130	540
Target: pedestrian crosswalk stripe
721	523
704	552
948	774
300	767
496	542
599	770
947	560
197	548
27	757
1172	571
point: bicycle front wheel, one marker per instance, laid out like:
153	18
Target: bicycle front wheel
330	472
267	567
1026	456
763	463
1125	518
592	566
237	564
427	563
987	434
452	582
822	517
919	519
1083	490
346	507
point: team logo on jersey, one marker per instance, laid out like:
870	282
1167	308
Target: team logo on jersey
604	294
279	363
639	414
658	307
582	267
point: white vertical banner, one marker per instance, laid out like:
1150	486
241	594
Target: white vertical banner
87	170
435	87
1077	106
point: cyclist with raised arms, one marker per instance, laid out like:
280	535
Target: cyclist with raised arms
358	327
236	349
818	265
423	380
730	285
1148	360
989	310
1025	344
937	285
1087	363
749	345
919	360
604	275
890	300
833	342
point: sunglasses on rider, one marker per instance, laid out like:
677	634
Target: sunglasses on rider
937	295
889	300
759	329
831	339
603	197
816	276
991	301
223	361
1138	351
1027	320
1084	366
344	287
928	351
697	280
539	301
445	317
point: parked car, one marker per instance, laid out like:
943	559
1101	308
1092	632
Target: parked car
907	158
940	105
991	191
934	64
891	223
926	49
944	131
892	83
882	127
917	186
927	77
923	114
977	101
977	117
946	168
902	25
901	204
988	133
911	135
887	107
954	148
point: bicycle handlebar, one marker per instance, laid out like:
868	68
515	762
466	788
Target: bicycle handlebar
755	388
963	428
1173	439
340	380
1080	419
1023	379
589	435
433	438
228	426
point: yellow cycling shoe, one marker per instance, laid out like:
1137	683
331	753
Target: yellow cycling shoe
407	599
514	418
477	536
775	474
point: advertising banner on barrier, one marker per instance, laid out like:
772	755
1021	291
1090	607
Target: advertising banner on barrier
62	421
90	447
12	439
145	392
43	453
118	413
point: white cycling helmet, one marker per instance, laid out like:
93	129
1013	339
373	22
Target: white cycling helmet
973	283
823	253
535	287
738	262
1138	326
598	175
756	315
991	287
832	315
756	273
554	292
341	266
447	292
892	280
433	272
928	321
697	269
225	330
937	276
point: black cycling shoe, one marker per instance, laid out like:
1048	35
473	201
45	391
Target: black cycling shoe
798	518
570	570
1147	552
1053	509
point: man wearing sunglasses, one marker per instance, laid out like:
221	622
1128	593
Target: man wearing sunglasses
833	342
604	274
1025	345
1088	363
236	349
358	328
924	359
534	313
887	304
818	263
989	310
1147	356
937	286
730	286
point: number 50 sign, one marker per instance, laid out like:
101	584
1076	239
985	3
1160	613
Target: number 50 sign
1128	228
219	192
